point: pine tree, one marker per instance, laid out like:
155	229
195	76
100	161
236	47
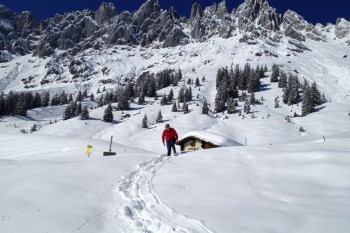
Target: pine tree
70	98
174	108
231	109
144	122
205	108
203	79
197	83
246	107
92	97
306	107
68	112
188	94
45	99
315	95
164	100
104	89
85	94
181	96
78	110
282	82
171	95
277	104
185	109
159	117
84	115
108	115
141	99
275	73
98	91
79	97
219	103
21	106
252	99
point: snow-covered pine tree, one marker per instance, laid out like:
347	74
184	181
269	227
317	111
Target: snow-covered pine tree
293	85
275	73
306	107
85	94
63	98
171	95
159	117
67	114
78	110
252	99
185	109
84	115
315	95
246	107
181	96
144	123
231	109
219	103
45	99
164	100
174	108
277	102
282	82
205	108
21	106
108	115
141	99
188	94
197	83
79	97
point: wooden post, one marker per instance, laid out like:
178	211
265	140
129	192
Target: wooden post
110	145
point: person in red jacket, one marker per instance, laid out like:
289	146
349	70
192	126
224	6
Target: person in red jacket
171	137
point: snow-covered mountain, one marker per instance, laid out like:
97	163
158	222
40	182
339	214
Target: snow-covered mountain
292	175
75	49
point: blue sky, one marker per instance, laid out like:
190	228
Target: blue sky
314	11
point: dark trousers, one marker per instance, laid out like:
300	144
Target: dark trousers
170	145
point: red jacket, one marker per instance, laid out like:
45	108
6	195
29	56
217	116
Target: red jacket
169	135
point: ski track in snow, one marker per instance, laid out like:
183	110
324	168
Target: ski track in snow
142	210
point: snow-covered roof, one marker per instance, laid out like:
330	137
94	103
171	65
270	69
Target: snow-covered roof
213	138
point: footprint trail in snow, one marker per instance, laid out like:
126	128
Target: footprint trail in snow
142	209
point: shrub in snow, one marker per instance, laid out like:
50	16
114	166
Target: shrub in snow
144	123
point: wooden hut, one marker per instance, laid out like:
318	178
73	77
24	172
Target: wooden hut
199	140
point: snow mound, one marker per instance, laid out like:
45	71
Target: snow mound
216	139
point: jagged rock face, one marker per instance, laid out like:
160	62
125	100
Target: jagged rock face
214	20
342	29
105	12
295	27
258	12
25	23
66	31
17	32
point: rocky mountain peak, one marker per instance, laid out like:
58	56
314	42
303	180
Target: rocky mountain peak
104	12
149	10
196	11
258	12
342	28
296	27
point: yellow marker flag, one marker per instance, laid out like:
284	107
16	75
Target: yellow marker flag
88	150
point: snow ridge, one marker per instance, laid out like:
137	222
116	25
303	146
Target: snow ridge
143	211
